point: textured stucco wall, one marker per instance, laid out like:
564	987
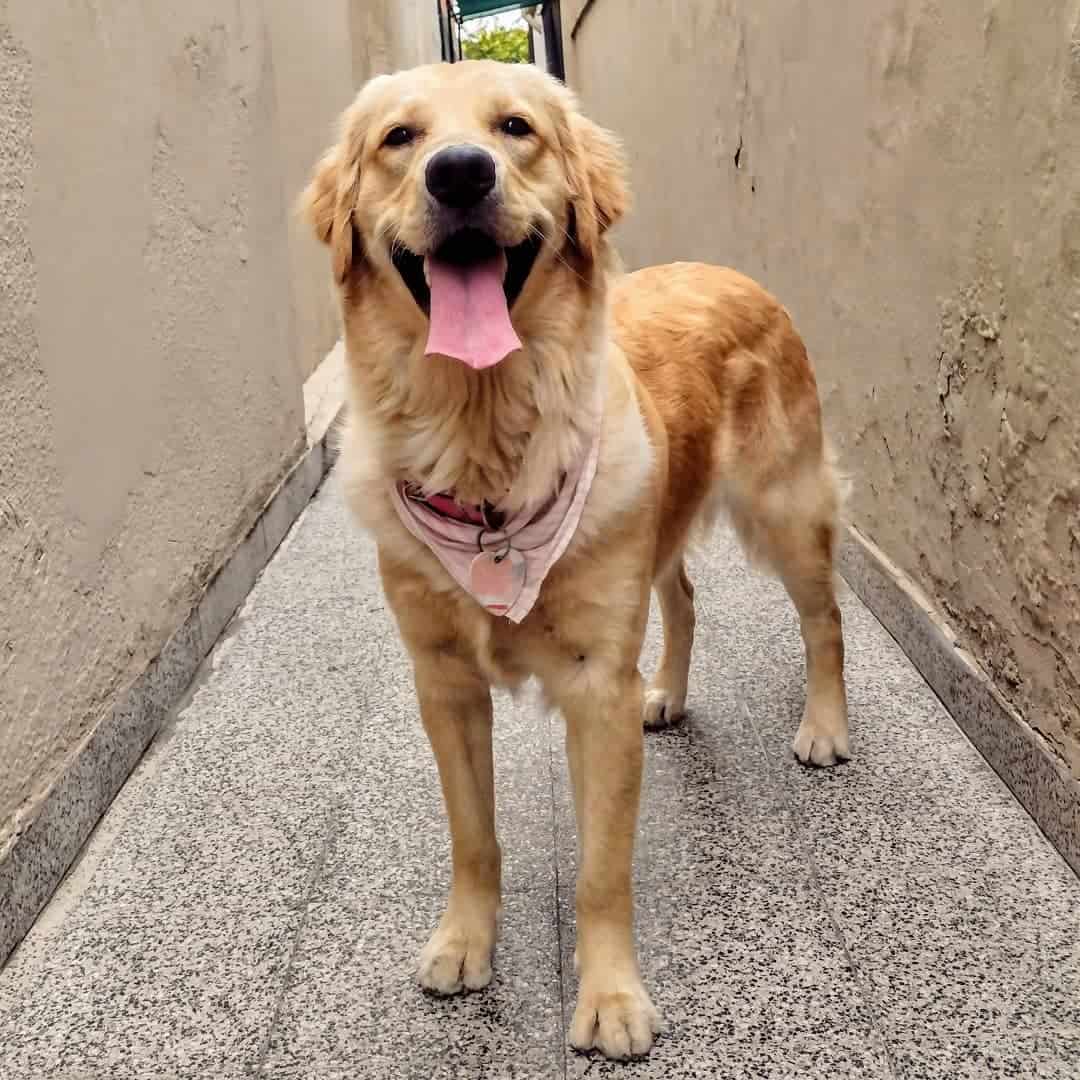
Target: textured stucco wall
903	173
389	35
157	317
319	63
313	78
149	394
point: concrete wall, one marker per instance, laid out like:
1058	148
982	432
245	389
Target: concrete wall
349	42
156	321
313	75
392	34
903	174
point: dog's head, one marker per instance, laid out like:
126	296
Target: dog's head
466	185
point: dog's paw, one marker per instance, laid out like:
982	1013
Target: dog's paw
822	744
456	959
619	1021
661	709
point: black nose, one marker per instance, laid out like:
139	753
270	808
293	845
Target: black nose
460	176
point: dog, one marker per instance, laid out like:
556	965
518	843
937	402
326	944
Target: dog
534	440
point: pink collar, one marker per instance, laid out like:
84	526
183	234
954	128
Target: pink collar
501	567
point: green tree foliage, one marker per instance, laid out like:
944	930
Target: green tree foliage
508	44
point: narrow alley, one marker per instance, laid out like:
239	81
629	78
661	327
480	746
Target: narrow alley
253	903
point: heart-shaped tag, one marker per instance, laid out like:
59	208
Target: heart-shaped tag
496	579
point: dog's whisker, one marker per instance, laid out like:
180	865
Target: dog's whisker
558	255
384	231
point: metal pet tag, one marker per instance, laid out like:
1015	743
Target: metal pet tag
497	578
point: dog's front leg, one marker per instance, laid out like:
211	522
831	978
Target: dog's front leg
455	706
605	748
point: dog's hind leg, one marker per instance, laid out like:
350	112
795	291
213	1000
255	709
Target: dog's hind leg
805	565
792	527
665	700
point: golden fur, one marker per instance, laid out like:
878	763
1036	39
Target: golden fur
709	404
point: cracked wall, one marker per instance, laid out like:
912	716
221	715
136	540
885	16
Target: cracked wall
902	173
155	326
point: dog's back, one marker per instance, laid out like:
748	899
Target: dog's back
730	379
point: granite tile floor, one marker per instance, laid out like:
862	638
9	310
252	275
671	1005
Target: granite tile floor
253	902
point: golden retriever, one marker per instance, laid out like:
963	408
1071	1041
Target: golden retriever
534	441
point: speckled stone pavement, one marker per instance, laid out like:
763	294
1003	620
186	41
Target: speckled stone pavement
253	903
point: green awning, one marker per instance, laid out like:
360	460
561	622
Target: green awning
472	9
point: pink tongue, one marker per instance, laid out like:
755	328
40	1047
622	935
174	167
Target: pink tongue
470	320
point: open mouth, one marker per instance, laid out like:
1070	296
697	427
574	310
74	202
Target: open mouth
463	252
466	287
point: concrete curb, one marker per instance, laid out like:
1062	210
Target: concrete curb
1017	753
41	854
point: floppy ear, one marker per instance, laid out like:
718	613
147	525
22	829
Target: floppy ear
328	203
597	173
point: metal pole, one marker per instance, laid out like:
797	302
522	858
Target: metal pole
553	39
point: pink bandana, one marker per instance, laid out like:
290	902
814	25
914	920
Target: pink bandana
501	568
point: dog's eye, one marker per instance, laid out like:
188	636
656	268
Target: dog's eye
399	136
517	126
